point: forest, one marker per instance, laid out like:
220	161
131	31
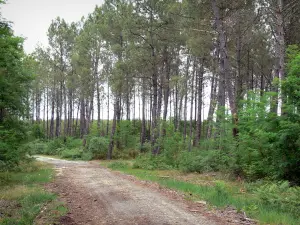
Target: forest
192	85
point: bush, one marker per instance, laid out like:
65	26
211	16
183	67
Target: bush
73	143
280	195
35	147
145	148
205	161
150	162
172	145
86	156
54	146
74	153
13	134
98	146
124	136
125	154
118	165
37	131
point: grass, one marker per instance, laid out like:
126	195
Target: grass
216	191
22	197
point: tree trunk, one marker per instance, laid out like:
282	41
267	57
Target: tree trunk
107	124
52	117
186	96
57	127
192	108
113	129
82	117
199	115
225	82
143	131
98	107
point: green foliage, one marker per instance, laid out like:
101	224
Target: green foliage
74	153
125	153
12	135
86	156
223	193
23	187
14	85
37	132
150	162
98	147
118	164
55	146
125	135
35	147
73	142
145	148
281	196
205	161
172	145
32	205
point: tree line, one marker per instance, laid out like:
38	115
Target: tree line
162	57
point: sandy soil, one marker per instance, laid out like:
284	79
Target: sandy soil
96	195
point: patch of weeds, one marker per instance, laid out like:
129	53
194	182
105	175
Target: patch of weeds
118	165
23	189
51	213
74	153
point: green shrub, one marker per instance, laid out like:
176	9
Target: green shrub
98	146
13	134
54	146
125	135
74	153
172	145
86	156
205	161
125	154
37	131
150	162
145	148
118	165
35	147
73	143
281	196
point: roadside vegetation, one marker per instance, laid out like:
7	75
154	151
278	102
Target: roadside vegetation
23	198
148	65
265	201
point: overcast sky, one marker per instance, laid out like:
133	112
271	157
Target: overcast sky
31	18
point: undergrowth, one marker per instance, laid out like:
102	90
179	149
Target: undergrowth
270	203
22	196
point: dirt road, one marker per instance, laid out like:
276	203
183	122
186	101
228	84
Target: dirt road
95	195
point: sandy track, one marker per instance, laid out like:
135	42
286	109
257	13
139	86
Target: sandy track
95	195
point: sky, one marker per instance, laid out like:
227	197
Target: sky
31	18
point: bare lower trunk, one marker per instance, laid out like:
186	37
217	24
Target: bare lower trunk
212	105
52	118
199	115
82	118
113	129
98	107
77	118
143	129
186	96
192	108
107	123
57	127
65	111
154	114
47	124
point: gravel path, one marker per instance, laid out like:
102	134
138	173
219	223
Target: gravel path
95	195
